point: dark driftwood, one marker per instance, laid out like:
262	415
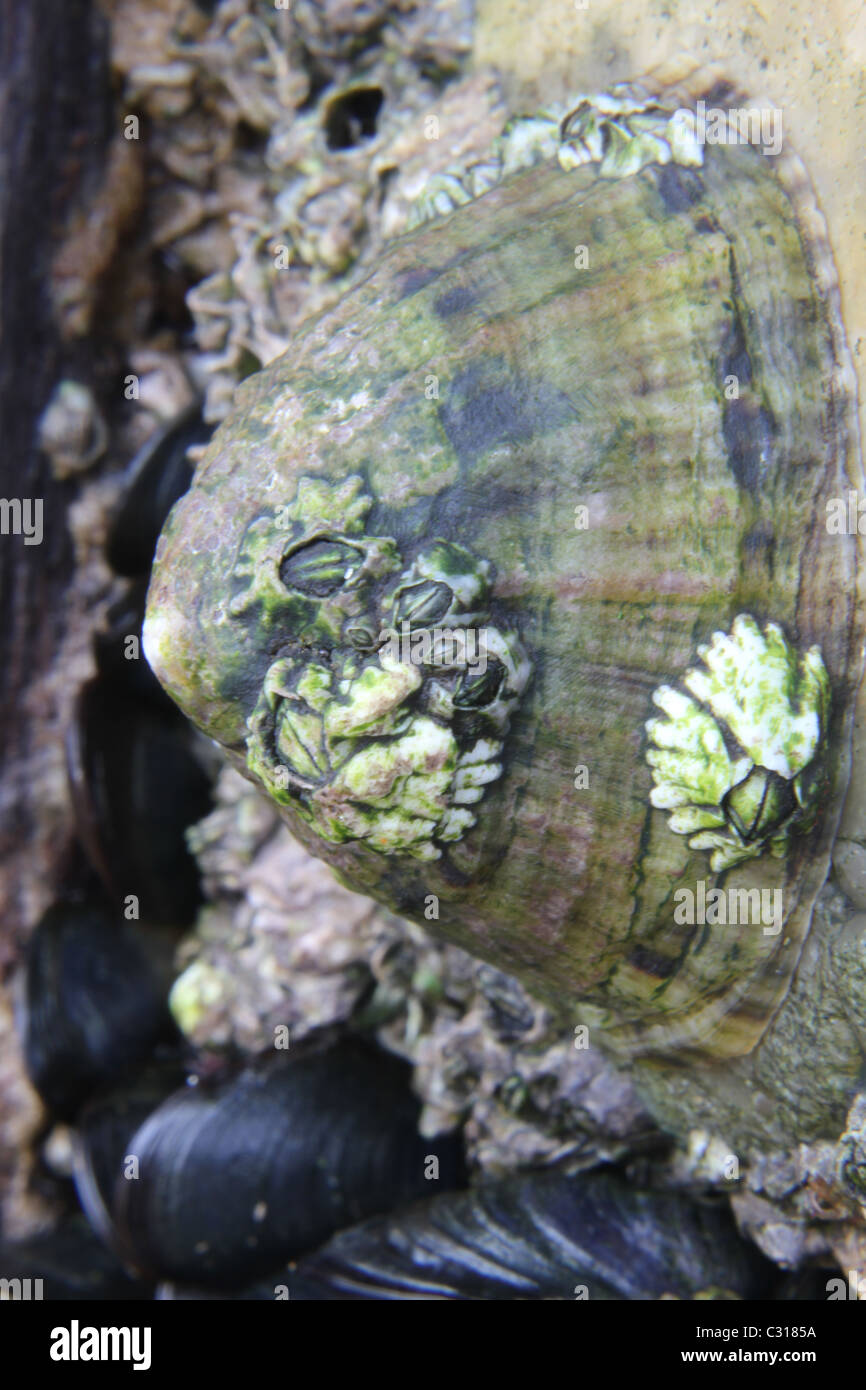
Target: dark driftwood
55	125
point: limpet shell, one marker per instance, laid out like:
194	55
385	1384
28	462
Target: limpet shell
616	376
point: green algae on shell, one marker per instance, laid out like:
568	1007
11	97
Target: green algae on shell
657	343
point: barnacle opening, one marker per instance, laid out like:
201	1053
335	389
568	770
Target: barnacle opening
761	805
319	567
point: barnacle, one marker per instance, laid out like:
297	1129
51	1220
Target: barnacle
622	131
297	555
382	743
733	761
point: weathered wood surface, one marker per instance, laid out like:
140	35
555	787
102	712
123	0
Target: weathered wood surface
55	100
55	128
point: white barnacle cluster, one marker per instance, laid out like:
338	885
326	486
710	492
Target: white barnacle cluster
623	134
384	715
622	131
736	761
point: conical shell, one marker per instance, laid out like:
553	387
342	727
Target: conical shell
662	350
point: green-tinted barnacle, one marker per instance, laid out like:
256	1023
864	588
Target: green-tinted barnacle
443	582
320	566
300	741
482	679
314	686
307	550
466	574
421	603
319	505
441	566
286	744
362	633
773	706
373	701
506	648
687	753
392	792
759	805
477	688
314	586
407	788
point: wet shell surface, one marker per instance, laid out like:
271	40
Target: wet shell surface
590	421
548	1236
94	1006
230	1179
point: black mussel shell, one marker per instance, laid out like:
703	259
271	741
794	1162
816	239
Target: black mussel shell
66	1263
95	1008
160	474
542	1236
136	785
234	1179
102	1134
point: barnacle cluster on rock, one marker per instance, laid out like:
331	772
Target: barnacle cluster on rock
486	1056
284	144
